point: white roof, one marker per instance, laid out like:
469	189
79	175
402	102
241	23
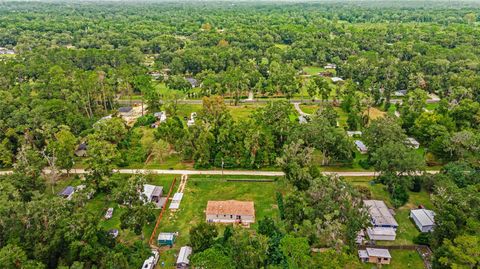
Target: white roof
336	79
149	263
174	205
424	216
412	141
379	213
352	133
378	252
165	236
148	190
177	196
183	255
381	231
363	254
360	145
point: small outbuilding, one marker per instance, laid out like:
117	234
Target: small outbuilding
175	204
81	150
166	239
361	147
67	193
125	109
381	233
375	255
412	142
330	66
193	82
354	133
113	233
424	219
183	261
400	93
337	79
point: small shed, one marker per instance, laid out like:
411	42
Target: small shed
113	233
400	93
182	261
361	147
67	193
412	142
424	219
354	133
124	109
330	66
337	79
193	82
175	204
166	239
81	150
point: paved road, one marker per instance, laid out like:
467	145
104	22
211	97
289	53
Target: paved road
257	101
216	172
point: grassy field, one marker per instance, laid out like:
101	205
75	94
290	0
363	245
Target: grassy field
314	70
240	112
200	189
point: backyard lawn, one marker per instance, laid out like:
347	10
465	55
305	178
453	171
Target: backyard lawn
202	188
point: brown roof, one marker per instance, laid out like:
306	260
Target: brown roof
230	207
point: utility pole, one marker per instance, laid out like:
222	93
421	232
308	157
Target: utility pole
223	163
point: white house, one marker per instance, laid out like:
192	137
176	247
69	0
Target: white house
381	233
230	211
183	260
424	219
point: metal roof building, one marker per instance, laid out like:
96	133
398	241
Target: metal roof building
361	147
424	219
182	260
381	233
380	215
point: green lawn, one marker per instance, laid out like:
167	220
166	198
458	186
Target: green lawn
314	70
200	189
239	112
243	112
